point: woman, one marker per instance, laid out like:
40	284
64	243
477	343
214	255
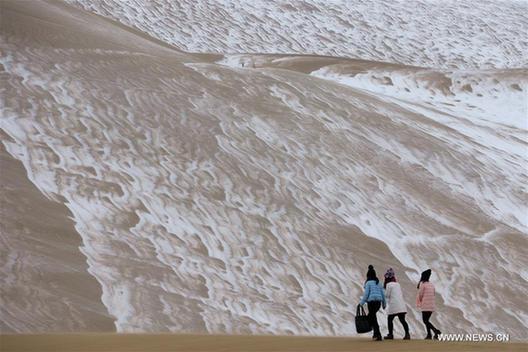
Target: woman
425	301
395	304
375	297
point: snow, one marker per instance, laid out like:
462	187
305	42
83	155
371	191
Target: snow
441	34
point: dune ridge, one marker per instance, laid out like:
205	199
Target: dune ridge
460	34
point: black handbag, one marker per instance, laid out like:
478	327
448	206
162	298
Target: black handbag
362	322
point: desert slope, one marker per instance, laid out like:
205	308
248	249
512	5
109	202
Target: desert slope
461	34
45	283
249	199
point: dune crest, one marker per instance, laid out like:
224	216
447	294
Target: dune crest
461	34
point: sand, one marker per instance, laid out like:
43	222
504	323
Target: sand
216	343
229	200
46	286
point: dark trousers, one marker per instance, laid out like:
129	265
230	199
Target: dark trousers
401	317
425	317
373	308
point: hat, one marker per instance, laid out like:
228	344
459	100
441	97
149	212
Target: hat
426	275
371	273
390	274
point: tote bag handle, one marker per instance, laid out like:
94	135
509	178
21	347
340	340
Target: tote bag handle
360	311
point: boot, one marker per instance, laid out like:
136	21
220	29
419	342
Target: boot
389	337
428	337
407	336
378	338
437	333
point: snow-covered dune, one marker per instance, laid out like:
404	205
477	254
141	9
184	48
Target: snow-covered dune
441	34
248	193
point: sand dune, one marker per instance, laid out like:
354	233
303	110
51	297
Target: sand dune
443	34
45	283
247	194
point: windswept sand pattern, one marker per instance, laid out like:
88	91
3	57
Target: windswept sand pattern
45	286
223	199
468	102
447	34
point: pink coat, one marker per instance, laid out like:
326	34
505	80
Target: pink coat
425	300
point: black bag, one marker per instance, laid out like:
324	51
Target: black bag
362	321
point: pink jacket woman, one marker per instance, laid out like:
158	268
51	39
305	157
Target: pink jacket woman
425	301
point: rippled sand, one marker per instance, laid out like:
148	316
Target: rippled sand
222	195
443	34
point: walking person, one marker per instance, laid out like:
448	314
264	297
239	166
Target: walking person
425	301
395	304
375	298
